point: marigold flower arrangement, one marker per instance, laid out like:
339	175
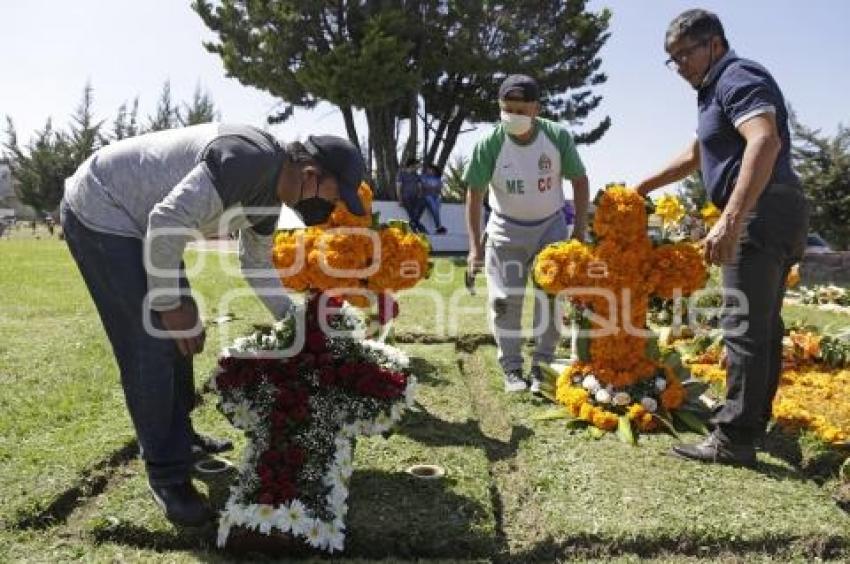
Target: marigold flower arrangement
616	384
303	390
341	255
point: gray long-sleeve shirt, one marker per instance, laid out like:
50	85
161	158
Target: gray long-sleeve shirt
171	186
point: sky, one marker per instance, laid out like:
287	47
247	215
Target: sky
125	49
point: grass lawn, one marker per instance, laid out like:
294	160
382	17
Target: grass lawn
71	487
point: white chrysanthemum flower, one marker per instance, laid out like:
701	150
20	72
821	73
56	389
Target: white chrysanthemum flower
345	471
649	404
262	518
621	398
248	514
224	525
660	384
283	519
590	383
339	509
244	417
410	391
602	396
342	444
298	516
342	456
338	493
336	536
316	534
396	411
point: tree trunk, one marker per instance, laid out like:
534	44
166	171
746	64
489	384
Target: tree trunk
382	140
451	138
413	133
350	128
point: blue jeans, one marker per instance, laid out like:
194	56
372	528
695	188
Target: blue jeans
432	204
157	379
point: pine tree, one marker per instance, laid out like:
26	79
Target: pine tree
824	166
126	122
201	110
403	62
166	112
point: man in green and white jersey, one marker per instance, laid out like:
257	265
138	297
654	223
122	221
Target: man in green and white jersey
522	163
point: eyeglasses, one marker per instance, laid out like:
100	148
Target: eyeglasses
681	57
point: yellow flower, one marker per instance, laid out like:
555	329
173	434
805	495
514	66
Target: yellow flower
670	209
710	214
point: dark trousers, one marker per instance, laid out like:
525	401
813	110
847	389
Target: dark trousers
414	205
773	240
157	379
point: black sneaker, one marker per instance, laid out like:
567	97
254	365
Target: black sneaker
514	382
536	377
182	504
441	230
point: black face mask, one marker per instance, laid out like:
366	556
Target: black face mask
314	211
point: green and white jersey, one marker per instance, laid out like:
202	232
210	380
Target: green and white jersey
526	179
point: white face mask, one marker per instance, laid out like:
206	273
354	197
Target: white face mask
516	124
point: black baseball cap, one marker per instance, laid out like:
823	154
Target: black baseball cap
341	158
519	87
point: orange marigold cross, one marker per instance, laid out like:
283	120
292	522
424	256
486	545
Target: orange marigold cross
615	278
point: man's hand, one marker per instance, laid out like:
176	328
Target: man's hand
721	242
184	319
474	261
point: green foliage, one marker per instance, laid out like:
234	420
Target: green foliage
201	110
39	170
126	122
824	166
454	188
166	115
435	61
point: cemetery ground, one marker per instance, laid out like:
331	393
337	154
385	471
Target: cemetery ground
515	489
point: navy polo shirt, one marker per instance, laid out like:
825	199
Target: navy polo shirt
735	90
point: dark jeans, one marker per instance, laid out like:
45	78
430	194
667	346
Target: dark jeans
157	379
414	206
773	240
432	204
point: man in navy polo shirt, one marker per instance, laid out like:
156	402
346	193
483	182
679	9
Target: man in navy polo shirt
742	147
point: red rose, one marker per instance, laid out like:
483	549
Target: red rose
278	419
387	308
266	498
316	342
327	377
308	360
294	457
299	413
270	457
325	359
286	490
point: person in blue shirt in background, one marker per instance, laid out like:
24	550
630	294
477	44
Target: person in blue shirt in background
409	186
432	188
